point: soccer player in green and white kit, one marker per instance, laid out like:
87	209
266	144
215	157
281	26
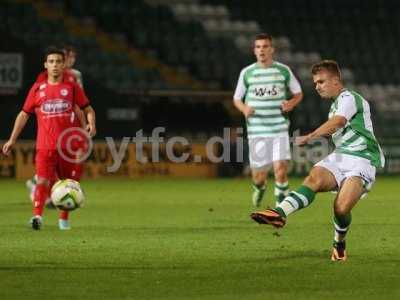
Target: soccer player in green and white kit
349	169
265	86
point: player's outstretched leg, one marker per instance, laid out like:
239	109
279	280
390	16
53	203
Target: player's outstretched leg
320	179
269	216
296	200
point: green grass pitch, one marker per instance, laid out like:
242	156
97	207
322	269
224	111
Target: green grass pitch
193	239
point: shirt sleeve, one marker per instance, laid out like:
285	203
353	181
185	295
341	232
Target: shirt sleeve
346	106
80	97
241	89
69	76
42	77
30	103
293	83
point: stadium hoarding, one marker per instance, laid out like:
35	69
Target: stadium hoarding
157	162
20	163
150	162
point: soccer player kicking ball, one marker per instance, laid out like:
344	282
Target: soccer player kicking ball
349	169
53	103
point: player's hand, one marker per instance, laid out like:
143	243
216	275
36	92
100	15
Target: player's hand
91	129
247	111
7	147
287	106
302	140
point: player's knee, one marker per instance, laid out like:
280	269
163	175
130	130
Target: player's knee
259	177
314	181
341	209
281	174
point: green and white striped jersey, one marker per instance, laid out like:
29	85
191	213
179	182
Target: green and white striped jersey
265	89
357	137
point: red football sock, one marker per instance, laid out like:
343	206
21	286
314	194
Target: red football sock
64	215
42	192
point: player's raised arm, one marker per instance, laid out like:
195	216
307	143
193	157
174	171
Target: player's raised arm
19	125
326	129
329	127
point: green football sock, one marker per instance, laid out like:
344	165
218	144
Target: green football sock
281	191
260	186
342	225
258	194
296	200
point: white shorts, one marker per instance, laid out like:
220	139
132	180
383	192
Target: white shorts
343	166
263	151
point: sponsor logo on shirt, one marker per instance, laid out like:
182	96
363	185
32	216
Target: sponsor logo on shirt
270	91
64	92
55	106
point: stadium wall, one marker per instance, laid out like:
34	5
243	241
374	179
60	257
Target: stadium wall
100	164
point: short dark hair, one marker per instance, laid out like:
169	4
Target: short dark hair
53	50
328	65
263	36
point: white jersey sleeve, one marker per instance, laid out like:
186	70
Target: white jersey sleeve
293	84
346	106
241	89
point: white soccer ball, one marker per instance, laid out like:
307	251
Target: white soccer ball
67	194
